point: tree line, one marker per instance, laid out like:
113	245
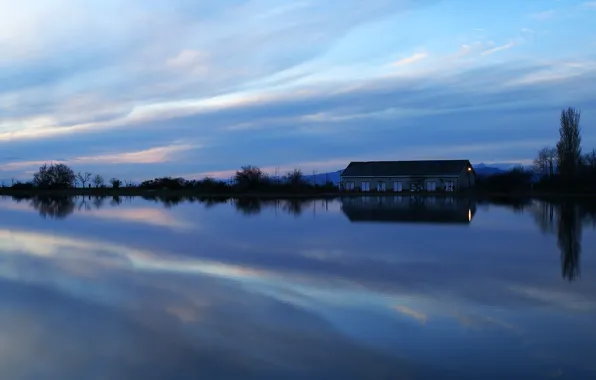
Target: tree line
560	168
565	166
248	179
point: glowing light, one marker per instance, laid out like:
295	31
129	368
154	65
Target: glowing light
469	215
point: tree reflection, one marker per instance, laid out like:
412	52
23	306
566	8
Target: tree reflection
569	231
248	205
565	220
62	206
55	207
254	206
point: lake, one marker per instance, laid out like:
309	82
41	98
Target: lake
359	288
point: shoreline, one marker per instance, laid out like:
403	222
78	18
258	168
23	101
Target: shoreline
137	192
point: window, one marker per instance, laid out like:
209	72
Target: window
365	186
397	186
350	186
381	186
431	186
449	186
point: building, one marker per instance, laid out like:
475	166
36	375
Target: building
398	176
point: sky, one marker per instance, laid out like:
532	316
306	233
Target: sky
142	89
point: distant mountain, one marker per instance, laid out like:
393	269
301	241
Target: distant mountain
322	178
485	170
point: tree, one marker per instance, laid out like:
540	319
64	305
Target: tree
589	160
295	177
84	178
569	145
116	183
98	180
250	177
54	176
544	163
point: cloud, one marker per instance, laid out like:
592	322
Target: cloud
148	156
543	16
329	120
411	59
499	48
191	61
589	5
418	316
255	78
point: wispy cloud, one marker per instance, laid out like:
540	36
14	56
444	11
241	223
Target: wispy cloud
546	15
148	156
106	89
496	49
418	316
411	59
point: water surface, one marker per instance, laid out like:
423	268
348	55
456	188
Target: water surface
360	288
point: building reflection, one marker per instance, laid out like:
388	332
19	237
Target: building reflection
409	209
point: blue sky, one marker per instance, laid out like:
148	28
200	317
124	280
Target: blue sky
146	88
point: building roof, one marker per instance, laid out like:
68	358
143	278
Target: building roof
405	168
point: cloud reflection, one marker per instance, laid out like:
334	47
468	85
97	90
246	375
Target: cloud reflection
310	277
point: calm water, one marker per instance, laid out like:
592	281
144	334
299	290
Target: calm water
366	288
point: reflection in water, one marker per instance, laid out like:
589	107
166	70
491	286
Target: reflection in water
216	293
54	207
569	239
409	209
565	219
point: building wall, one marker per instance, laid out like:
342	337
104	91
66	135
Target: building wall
440	182
467	179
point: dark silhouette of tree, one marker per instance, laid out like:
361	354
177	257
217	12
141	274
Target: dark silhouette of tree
116	183
516	179
544	163
569	232
250	178
98	180
589	161
569	145
164	183
54	176
295	178
84	178
54	207
116	200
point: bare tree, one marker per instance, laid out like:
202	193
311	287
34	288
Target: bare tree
590	160
116	183
84	178
54	176
544	163
294	177
250	177
98	180
569	145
